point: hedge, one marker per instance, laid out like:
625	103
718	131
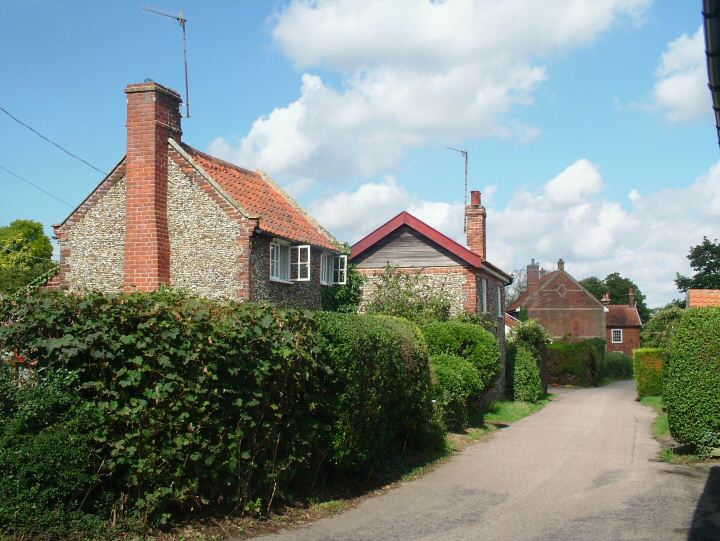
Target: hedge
692	379
469	341
457	384
527	386
617	366
197	404
648	366
576	363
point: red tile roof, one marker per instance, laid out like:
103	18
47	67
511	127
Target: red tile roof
622	315
258	194
698	298
522	298
405	218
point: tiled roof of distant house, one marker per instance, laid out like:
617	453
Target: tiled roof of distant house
622	315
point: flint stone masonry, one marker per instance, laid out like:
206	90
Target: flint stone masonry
95	245
206	248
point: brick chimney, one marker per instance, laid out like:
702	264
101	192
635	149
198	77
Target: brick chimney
475	222
533	277
631	297
153	116
561	264
606	299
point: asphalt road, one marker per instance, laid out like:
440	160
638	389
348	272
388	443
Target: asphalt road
582	468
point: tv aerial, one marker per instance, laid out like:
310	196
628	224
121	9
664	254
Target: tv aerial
464	155
180	18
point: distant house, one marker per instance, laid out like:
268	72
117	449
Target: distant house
700	298
170	214
564	307
623	324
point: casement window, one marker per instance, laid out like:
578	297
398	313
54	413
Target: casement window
616	335
279	262
333	269
498	291
483	283
300	263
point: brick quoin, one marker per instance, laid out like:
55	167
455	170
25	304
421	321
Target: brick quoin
153	116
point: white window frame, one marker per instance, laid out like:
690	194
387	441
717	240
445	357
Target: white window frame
499	301
339	275
300	263
326	268
483	282
278	272
612	336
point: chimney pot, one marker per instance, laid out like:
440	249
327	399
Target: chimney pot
631	297
475	198
606	299
561	264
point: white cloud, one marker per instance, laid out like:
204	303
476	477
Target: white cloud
413	73
595	236
681	91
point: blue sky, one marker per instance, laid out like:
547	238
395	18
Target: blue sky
589	127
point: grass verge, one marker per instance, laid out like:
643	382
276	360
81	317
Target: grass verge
671	452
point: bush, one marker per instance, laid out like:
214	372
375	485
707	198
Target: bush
617	366
692	380
379	386
457	384
469	341
527	386
648	366
659	331
575	363
532	335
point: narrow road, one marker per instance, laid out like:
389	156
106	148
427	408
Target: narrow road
582	468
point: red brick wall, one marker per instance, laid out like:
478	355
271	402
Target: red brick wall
631	340
475	220
153	116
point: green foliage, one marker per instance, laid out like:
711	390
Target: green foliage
576	363
617	366
659	331
692	379
484	320
532	335
409	295
344	298
25	255
527	386
468	341
705	261
618	288
379	386
457	385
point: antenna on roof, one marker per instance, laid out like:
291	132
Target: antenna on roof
465	155
182	20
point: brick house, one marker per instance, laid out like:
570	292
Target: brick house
623	324
561	304
170	214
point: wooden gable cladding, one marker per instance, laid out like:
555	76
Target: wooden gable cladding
407	248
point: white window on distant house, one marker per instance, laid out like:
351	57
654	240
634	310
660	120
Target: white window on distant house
300	263
340	269
279	262
484	295
616	336
499	301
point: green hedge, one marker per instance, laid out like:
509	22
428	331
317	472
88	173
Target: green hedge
469	341
527	386
692	379
380	384
457	385
576	363
617	366
648	365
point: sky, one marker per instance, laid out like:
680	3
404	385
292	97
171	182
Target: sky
588	123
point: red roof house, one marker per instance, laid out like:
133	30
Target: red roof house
171	214
623	324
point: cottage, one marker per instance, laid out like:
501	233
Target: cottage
623	324
170	214
562	305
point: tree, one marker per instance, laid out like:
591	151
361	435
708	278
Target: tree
659	331
518	286
618	288
705	261
25	255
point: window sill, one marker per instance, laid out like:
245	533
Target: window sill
280	281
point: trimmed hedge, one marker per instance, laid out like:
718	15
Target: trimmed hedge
457	383
469	341
692	379
617	366
648	365
576	363
527	386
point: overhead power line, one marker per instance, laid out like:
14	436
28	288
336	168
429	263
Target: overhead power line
36	186
66	151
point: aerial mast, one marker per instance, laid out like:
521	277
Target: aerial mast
464	154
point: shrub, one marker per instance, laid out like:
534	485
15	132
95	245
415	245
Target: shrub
469	341
659	331
618	366
648	366
379	386
527	386
575	363
692	379
457	384
532	335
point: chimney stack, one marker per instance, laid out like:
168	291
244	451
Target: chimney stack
606	299
153	116
631	297
475	222
561	264
533	277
